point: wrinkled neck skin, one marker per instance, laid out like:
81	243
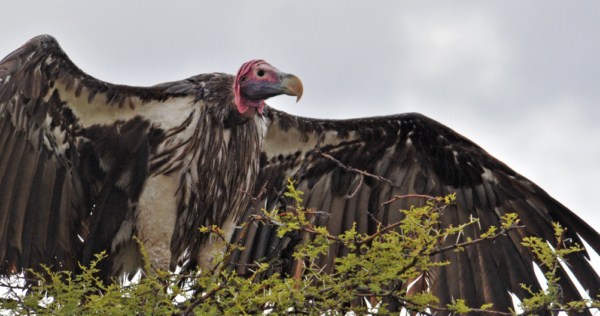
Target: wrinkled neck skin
247	107
254	108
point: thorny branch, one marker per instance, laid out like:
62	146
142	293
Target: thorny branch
502	232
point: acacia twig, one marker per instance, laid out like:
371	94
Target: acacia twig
502	232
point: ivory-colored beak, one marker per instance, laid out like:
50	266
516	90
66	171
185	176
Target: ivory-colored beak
292	85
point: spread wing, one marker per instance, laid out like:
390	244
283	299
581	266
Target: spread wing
73	155
419	156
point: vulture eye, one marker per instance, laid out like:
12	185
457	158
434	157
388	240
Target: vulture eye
260	72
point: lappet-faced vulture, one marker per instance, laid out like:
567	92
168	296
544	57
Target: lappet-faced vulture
86	166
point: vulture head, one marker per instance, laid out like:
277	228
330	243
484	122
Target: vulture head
257	81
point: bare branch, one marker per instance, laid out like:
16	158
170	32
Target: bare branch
401	197
360	182
351	169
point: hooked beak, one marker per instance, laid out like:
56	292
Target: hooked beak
291	85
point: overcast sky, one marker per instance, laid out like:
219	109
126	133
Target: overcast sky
520	78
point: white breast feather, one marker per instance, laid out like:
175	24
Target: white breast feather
156	218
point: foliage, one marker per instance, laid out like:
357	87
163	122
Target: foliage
374	274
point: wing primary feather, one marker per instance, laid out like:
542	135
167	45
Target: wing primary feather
40	236
245	257
66	250
7	185
22	188
54	224
263	245
351	206
34	213
335	226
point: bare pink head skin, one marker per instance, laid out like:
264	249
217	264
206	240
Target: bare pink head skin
257	81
